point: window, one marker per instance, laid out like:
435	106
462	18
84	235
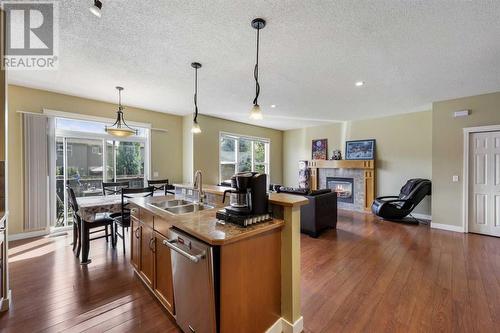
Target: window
239	154
86	156
96	150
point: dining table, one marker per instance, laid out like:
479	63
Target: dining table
93	208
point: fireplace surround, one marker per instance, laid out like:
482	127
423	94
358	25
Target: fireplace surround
362	171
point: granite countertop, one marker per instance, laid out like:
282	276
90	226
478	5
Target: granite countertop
203	225
280	199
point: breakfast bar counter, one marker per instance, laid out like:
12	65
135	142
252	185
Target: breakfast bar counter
203	224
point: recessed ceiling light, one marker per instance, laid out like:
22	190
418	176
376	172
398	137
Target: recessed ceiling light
96	8
273	105
360	83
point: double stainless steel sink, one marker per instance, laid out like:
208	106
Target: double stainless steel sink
180	207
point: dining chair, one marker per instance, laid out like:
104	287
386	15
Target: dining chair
112	188
123	221
161	185
83	229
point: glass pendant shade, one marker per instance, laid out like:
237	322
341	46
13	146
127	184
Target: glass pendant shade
96	11
120	132
196	128
96	8
256	112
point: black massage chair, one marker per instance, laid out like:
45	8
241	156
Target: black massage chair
398	207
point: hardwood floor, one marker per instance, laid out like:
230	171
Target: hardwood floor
367	276
373	276
52	292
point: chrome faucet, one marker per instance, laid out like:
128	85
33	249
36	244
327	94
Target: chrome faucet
198	186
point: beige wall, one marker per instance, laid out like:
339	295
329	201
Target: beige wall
297	146
447	150
166	148
206	146
404	148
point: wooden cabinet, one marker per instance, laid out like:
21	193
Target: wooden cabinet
150	258
135	245
163	283
147	254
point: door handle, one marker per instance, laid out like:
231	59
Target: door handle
171	244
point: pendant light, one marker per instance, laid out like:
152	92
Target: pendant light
196	127
120	127
256	112
96	8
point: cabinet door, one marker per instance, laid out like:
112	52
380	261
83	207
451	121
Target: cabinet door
147	254
135	245
163	286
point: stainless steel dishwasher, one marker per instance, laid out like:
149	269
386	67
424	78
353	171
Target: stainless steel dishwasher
194	291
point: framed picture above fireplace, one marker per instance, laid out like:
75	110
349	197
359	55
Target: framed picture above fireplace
360	150
319	149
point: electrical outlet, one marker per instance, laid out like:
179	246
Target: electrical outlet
455	179
155	174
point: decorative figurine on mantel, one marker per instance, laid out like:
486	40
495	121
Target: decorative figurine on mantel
336	155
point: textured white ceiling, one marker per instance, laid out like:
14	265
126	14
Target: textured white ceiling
410	53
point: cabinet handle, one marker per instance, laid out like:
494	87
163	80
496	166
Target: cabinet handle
136	231
151	245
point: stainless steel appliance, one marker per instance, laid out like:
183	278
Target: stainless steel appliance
194	285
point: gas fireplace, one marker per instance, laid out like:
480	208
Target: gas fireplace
343	186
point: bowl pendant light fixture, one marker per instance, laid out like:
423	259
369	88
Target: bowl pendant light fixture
96	8
120	127
196	127
256	112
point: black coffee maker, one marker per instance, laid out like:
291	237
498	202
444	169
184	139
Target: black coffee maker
240	196
248	199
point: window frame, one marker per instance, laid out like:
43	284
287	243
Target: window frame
253	139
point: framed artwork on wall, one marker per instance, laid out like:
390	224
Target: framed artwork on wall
360	150
319	149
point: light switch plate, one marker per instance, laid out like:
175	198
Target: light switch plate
455	179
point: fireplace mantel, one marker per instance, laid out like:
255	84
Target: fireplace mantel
369	174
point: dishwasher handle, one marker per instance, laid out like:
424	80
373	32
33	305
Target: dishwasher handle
171	244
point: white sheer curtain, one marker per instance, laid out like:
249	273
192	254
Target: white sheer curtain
36	171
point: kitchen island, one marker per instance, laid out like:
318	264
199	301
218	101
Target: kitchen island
256	283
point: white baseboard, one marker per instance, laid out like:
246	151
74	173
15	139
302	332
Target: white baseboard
277	327
447	227
30	234
283	326
5	302
422	216
296	327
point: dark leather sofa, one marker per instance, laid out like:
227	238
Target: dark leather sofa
319	214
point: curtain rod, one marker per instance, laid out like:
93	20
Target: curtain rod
159	129
53	116
34	113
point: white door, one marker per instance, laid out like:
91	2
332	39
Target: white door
484	183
